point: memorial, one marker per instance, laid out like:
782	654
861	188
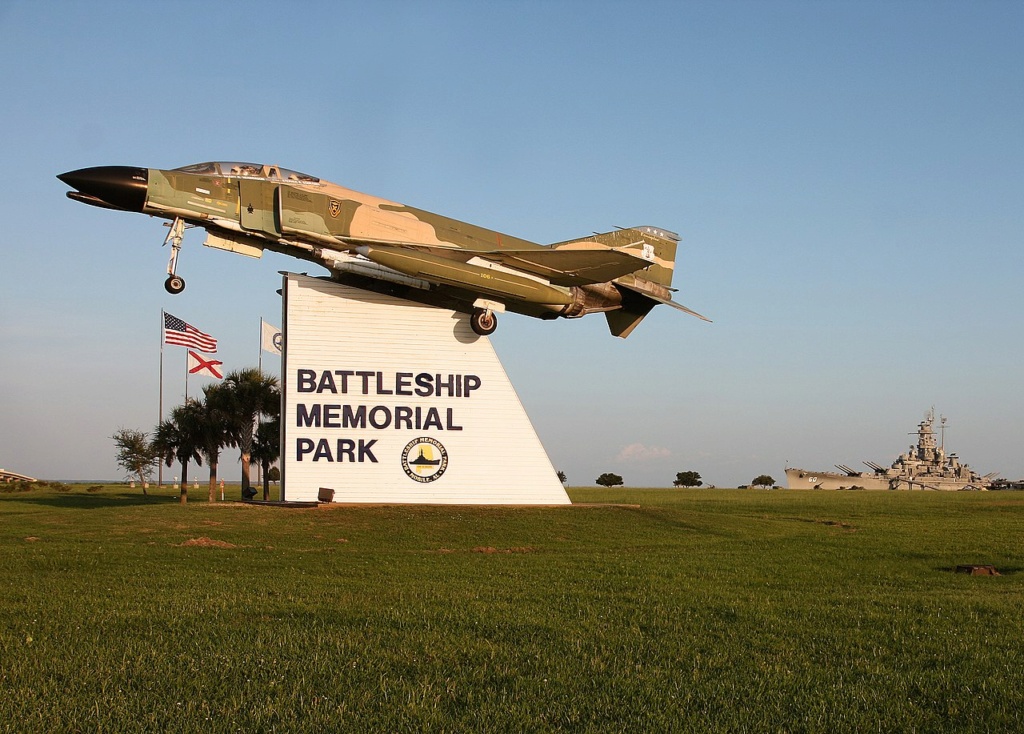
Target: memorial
387	400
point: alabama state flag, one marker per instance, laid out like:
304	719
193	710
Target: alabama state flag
199	365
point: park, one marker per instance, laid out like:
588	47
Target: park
631	610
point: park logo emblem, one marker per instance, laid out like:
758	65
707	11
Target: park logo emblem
424	459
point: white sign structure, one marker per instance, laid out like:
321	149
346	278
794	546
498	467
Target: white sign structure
391	401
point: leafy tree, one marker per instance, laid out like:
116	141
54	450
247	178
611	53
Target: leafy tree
177	439
609	480
266	448
135	454
561	477
248	394
762	480
274	474
687	479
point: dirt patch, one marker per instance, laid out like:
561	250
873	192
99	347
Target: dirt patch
205	542
838	524
975	569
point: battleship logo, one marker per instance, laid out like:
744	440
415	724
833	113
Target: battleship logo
424	459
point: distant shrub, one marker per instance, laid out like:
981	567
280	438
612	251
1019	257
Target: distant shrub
16	486
608	479
687	479
23	486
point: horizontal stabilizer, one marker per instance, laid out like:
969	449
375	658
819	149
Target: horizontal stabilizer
663	301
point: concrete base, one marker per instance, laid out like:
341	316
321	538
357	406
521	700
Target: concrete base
391	401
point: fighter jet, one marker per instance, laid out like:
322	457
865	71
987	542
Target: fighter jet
375	244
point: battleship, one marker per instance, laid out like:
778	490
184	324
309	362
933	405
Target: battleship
924	466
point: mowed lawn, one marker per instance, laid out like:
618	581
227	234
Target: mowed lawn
662	610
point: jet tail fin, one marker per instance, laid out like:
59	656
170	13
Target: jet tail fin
647	287
653	244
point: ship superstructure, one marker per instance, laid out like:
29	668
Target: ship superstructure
925	465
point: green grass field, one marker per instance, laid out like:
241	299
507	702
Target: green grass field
665	610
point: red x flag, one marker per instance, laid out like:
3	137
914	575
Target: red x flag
198	365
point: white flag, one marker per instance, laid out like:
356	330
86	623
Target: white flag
199	365
273	339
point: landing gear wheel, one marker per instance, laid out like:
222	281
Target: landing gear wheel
483	321
174	284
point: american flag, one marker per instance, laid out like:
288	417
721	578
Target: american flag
179	333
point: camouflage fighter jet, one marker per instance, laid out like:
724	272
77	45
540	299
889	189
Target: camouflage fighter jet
379	245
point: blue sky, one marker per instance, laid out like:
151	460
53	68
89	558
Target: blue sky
846	178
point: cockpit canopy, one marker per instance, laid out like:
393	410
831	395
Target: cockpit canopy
249	170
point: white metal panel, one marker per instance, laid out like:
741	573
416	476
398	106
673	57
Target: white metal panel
348	350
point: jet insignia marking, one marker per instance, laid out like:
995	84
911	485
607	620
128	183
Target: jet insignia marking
370	243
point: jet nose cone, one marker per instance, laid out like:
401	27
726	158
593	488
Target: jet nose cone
121	187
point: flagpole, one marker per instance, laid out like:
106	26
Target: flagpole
160	466
259	479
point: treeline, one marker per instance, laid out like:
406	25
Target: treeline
683	479
242	411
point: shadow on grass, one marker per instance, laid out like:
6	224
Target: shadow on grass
75	501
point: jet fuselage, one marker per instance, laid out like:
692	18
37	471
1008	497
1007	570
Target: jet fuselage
382	245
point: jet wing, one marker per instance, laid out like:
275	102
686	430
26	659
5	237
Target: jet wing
569	266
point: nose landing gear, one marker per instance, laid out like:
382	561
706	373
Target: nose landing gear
175	283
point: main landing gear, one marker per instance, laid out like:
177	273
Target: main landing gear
483	321
175	283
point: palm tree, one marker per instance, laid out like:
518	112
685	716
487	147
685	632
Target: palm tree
267	448
213	433
250	395
177	439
